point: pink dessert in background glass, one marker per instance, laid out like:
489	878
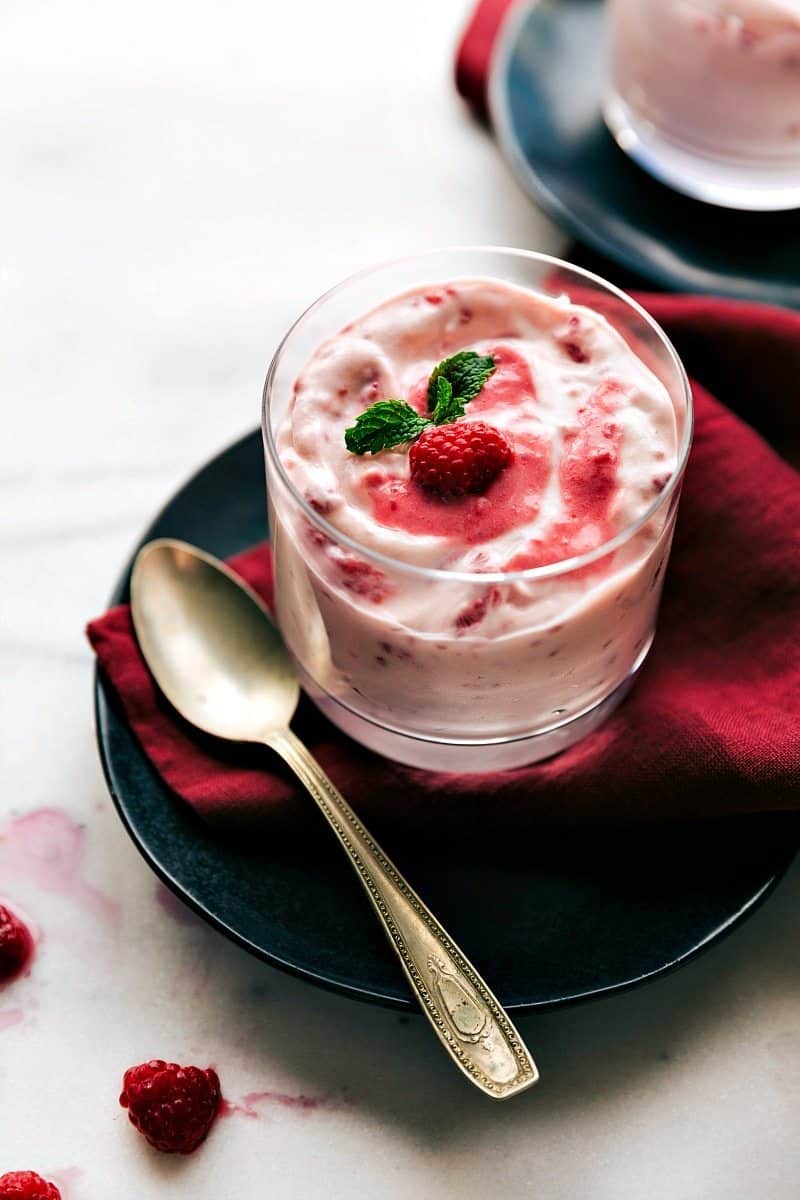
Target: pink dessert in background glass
483	630
705	94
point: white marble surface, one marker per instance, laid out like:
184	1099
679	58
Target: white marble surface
179	179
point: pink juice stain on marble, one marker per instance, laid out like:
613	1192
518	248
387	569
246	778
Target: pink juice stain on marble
174	907
48	847
64	1179
10	1017
301	1104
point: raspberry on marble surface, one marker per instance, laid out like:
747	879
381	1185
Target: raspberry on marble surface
173	1107
16	945
27	1185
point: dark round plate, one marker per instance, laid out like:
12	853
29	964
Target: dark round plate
547	82
555	921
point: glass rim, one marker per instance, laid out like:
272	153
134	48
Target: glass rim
563	566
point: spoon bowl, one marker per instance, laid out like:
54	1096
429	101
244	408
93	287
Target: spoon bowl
211	644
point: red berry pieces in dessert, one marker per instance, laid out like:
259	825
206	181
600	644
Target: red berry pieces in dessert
474	612
452	460
173	1107
572	341
16	945
363	579
27	1185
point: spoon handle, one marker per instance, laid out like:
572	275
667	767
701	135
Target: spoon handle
467	1017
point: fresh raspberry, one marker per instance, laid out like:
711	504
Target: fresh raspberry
453	459
174	1107
16	945
27	1185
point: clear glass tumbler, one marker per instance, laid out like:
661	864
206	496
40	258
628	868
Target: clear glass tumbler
705	95
359	623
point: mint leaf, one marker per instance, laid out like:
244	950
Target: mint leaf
466	372
452	384
385	424
447	407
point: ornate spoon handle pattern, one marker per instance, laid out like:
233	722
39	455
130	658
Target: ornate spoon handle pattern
468	1019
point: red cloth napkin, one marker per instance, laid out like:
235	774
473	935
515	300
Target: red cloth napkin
713	725
475	51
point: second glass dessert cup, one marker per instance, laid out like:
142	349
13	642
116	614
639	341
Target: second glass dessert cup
357	622
705	95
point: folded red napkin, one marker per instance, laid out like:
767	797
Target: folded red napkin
475	51
712	726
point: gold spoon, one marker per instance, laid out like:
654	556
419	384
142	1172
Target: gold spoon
220	661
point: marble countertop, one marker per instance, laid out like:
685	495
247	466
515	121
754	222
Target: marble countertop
179	181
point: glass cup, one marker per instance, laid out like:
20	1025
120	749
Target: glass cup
363	627
705	95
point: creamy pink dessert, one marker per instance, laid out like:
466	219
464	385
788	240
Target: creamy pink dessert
592	438
714	79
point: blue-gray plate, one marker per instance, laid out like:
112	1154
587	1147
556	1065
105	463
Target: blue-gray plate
555	921
546	85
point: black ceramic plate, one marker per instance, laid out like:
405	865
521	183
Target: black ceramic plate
546	86
555	922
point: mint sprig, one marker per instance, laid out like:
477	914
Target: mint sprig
452	384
